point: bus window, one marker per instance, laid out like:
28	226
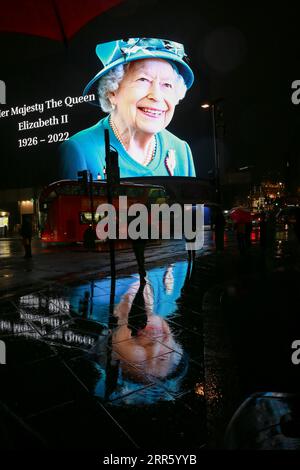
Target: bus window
70	190
135	192
99	190
44	207
120	191
43	219
132	192
157	196
52	195
86	217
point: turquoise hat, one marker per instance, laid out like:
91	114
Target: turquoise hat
127	50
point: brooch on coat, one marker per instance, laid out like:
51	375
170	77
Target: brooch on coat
170	162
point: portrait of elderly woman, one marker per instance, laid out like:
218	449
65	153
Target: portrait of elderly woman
139	86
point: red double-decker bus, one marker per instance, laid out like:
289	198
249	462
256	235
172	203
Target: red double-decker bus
66	207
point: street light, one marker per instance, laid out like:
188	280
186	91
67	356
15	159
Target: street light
212	105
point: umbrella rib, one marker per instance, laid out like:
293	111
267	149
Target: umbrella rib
60	23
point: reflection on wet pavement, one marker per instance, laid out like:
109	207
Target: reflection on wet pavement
134	349
103	365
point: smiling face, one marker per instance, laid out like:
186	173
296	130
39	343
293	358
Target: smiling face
146	98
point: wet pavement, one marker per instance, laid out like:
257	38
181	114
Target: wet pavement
97	364
67	263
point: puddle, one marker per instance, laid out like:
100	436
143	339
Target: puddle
119	341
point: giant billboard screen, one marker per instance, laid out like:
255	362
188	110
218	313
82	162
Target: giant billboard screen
56	106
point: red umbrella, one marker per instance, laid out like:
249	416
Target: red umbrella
240	215
54	19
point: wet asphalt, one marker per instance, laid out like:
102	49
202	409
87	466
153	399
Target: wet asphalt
95	363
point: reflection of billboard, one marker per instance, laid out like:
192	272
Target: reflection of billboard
82	316
139	86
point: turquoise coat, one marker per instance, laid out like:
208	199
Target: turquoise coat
86	151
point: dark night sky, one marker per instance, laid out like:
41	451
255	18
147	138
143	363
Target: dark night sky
247	55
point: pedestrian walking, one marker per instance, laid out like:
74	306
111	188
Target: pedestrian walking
243	226
240	230
263	230
297	224
89	238
84	305
137	315
26	233
190	243
248	231
219	227
138	247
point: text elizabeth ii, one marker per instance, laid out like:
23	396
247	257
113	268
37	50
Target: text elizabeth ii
52	121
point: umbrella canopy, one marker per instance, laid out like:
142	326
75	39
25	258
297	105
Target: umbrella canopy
54	19
240	215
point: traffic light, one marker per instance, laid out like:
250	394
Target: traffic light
83	179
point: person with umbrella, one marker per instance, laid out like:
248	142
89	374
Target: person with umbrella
219	228
139	86
242	218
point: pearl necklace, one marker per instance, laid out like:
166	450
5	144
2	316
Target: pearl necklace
151	147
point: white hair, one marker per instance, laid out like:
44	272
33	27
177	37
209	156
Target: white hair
110	82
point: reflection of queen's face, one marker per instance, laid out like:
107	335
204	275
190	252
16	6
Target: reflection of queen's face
153	350
146	98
